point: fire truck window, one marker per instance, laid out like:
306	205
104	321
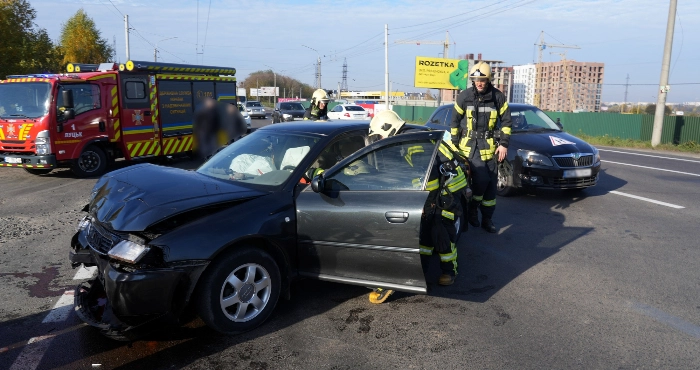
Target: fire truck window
135	90
86	97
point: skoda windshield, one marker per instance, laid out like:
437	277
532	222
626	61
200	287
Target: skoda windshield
261	158
24	99
531	119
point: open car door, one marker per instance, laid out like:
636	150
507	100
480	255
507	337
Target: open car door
359	221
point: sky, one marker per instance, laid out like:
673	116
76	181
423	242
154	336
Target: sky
288	36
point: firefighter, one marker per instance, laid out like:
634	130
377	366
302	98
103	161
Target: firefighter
318	110
447	180
474	131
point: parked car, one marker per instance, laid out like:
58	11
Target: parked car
230	237
288	111
246	116
540	154
348	111
255	109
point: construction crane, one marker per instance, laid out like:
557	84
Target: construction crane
445	44
569	85
541	45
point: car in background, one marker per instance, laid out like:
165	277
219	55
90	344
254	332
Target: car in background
288	111
229	238
540	154
246	116
348	111
255	109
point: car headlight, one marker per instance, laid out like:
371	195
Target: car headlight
247	110
534	159
42	143
128	251
596	154
285	115
83	224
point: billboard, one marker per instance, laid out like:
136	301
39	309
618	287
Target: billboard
441	73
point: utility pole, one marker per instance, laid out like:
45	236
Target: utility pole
627	85
126	32
445	52
663	83
386	63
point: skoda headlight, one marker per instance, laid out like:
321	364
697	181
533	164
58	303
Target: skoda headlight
130	251
596	154
534	159
43	143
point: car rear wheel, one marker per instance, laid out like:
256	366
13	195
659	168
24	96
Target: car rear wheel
505	187
91	162
239	291
38	171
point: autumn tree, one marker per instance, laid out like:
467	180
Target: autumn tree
81	41
24	47
286	84
651	109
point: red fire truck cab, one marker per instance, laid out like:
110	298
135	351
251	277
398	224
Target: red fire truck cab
94	114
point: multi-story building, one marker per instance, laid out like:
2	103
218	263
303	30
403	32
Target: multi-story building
523	84
570	86
502	77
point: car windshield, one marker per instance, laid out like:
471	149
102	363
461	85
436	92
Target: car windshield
262	158
355	108
531	119
253	104
291	106
26	100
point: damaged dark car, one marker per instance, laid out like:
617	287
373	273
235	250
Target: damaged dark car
229	238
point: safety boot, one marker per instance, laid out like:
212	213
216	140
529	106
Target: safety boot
379	295
446	279
488	225
474	216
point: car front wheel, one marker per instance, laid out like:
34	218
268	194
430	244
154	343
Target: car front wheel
239	291
91	162
505	187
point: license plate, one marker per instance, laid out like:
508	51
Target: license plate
13	160
584	172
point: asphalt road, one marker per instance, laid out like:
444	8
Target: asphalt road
604	278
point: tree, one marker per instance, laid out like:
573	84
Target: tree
651	110
286	84
81	41
24	47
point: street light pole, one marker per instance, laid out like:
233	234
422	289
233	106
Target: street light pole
274	91
155	48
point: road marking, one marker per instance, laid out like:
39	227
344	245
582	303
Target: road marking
653	168
85	273
660	316
649	155
647	199
33	352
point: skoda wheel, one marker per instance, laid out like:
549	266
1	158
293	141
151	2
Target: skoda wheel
505	187
91	162
239	291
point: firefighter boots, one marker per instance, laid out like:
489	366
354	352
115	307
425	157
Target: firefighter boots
446	279
379	295
488	225
474	216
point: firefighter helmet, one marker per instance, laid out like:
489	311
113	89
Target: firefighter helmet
385	123
320	95
480	70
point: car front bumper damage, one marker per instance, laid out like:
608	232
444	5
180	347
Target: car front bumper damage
125	303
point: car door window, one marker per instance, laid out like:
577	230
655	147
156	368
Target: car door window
439	116
448	116
399	166
337	151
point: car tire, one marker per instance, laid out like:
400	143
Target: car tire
250	303
91	162
38	171
504	186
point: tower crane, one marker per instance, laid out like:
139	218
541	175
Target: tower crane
541	45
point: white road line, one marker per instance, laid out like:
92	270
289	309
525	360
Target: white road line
662	317
33	352
653	168
85	273
649	155
647	199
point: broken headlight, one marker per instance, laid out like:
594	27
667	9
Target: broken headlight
130	251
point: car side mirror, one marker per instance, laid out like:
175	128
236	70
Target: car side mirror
67	96
318	183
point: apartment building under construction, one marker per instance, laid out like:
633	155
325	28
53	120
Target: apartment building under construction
570	86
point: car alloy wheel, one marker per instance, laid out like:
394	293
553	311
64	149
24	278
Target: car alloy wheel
504	185
245	292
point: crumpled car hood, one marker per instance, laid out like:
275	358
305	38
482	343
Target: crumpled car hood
133	198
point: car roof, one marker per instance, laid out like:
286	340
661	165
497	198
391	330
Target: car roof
326	128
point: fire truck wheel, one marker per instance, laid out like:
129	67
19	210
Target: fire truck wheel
38	171
91	162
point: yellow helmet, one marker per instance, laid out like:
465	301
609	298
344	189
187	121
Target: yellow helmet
480	70
320	95
385	123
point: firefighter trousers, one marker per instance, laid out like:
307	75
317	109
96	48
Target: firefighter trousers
484	181
438	233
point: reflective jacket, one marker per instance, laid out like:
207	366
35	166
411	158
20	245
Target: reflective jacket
474	121
314	113
445	157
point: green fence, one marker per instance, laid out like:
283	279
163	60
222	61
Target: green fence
413	113
676	129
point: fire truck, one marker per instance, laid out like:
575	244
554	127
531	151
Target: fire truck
95	113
